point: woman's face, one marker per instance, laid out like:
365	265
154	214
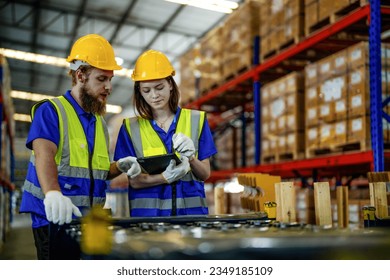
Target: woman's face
156	93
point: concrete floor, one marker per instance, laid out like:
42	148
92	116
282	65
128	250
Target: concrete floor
19	242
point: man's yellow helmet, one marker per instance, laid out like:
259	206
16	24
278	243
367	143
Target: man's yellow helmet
95	50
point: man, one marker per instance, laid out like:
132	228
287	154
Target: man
70	162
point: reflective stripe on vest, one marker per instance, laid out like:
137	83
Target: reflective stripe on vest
72	157
79	200
166	204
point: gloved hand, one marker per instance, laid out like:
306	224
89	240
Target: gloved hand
59	208
184	145
129	165
175	172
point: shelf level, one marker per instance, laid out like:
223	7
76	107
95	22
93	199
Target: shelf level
341	165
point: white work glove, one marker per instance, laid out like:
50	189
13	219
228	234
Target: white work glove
59	208
175	172
184	145
129	165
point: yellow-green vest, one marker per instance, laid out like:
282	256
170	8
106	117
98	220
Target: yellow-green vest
184	197
82	176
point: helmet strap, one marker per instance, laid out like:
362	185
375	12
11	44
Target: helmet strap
76	64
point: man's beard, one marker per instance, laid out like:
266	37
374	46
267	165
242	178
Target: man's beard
90	103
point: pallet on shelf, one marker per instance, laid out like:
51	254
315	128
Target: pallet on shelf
321	13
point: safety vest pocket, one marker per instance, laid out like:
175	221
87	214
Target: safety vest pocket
102	162
79	153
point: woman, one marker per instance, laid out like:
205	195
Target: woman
163	127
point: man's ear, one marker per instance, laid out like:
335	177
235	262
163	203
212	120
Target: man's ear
80	76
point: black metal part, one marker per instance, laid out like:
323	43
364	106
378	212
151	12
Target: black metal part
246	236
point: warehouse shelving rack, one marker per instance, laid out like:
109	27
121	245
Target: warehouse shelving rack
6	155
322	42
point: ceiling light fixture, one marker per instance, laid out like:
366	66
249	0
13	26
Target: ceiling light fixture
52	60
222	6
114	109
22	117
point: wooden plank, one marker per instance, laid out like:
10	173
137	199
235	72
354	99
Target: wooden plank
287	202
380	199
322	204
342	206
219	200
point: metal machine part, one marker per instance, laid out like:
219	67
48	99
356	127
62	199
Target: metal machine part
236	237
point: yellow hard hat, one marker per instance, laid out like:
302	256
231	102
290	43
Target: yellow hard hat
94	50
152	65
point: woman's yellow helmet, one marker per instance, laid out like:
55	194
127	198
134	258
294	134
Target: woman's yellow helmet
152	65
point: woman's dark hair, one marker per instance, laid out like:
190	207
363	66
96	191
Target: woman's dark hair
143	108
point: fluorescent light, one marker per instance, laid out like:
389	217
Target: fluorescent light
114	109
38	97
22	117
52	60
119	60
37	58
222	6
29	95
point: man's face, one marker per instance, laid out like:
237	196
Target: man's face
95	91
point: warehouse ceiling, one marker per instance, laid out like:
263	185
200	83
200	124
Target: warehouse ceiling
51	27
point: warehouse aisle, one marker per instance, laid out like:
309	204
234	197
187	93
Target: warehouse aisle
19	244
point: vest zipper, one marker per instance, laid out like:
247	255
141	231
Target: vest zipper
174	205
92	181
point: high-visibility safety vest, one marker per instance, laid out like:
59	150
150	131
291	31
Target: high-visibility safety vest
183	197
82	175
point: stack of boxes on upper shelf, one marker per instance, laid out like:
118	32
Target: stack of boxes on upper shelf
322	108
338	101
6	149
281	25
222	53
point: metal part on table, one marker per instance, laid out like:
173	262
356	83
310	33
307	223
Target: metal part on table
251	236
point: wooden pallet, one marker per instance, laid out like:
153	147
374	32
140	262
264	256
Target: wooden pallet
335	16
293	41
288	156
237	72
337	148
270	158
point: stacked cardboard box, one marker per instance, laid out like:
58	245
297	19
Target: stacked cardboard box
7	134
283	119
338	101
210	54
228	145
189	75
281	25
230	149
239	32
